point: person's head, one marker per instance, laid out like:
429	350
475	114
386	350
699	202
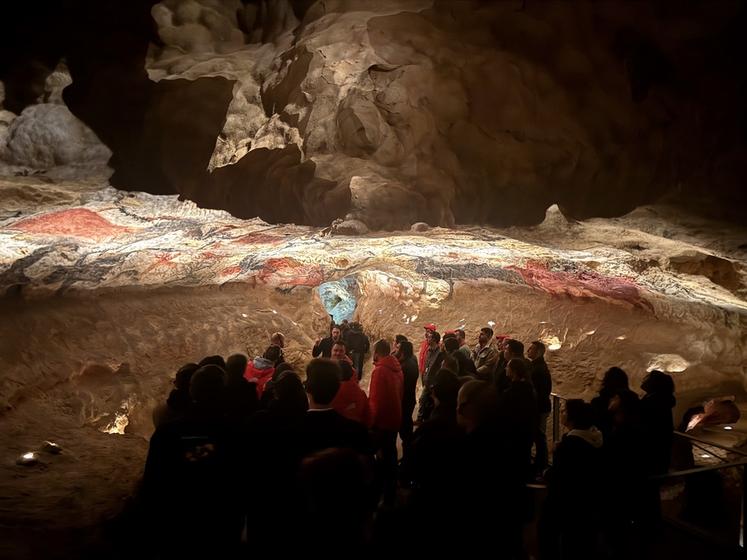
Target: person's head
513	349
405	350
434	340
461	336
429	328
207	387
381	349
445	389
322	381
446	336
516	369
346	369
213	360
289	392
476	404
184	375
273	353
281	369
578	415
615	381
486	334
658	382
399	339
236	366
339	351
451	344
278	339
336	333
536	350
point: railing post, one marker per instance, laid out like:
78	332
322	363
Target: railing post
555	418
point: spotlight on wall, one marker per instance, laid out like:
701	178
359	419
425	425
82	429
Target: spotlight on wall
705	456
670	363
552	342
728	428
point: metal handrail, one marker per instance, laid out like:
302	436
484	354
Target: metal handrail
741	464
695	470
711	443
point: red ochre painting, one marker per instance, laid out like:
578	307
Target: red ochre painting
76	222
582	284
286	271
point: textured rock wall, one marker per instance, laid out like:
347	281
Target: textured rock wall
393	112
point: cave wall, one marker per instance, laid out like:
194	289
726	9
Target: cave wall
394	112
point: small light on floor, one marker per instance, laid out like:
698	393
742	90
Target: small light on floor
705	456
728	428
28	459
244	315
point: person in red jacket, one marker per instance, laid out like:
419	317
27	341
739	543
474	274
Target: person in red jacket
351	401
385	402
430	328
261	368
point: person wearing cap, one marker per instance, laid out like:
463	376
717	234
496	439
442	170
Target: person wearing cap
485	354
429	329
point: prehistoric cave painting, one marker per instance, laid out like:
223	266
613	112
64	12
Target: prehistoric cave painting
580	283
107	240
74	222
287	271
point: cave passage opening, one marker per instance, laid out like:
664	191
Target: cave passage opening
340	298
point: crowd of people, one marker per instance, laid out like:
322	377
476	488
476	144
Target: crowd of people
249	457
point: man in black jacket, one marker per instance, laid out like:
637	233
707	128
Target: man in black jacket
409	363
540	377
358	346
324	346
323	427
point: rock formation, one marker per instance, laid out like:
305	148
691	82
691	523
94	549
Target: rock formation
395	112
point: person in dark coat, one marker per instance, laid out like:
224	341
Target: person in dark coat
323	427
433	359
465	365
490	480
656	416
430	460
615	382
539	374
409	363
274	449
511	350
517	411
323	346
191	475
627	466
241	395
358	345
568	527
178	403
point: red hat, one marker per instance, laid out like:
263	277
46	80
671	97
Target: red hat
430	327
